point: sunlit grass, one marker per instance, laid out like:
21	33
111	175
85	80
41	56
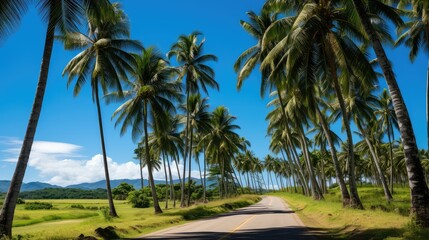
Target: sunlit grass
64	222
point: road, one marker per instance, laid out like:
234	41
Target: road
271	218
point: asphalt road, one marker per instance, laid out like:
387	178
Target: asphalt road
268	219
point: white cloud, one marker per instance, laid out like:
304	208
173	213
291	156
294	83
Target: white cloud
61	164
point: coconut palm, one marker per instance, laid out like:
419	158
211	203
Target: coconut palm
418	187
223	143
198	123
189	53
388	122
152	95
104	60
62	16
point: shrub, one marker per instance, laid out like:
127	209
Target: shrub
20	201
78	206
37	206
138	199
105	213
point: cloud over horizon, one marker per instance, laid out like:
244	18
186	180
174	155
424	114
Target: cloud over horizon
61	164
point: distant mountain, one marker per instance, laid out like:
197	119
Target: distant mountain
4	186
31	186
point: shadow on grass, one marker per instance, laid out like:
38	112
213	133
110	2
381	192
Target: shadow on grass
353	233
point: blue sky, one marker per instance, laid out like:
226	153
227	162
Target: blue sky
67	138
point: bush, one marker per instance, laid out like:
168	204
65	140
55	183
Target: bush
37	206
78	206
105	213
138	199
20	201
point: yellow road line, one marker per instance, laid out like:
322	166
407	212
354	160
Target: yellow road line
237	228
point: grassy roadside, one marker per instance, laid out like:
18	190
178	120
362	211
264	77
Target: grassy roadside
64	222
380	220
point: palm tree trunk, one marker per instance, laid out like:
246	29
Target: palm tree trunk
315	189
303	179
374	156
166	181
389	136
205	173
199	169
185	155
355	200
418	186
189	170
141	171
149	164
112	210
178	171
172	192
345	196
8	209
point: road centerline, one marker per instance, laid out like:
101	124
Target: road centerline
238	228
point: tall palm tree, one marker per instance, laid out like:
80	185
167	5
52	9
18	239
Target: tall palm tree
152	95
61	15
189	53
223	143
199	123
388	122
104	60
418	186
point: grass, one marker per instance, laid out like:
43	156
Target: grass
65	222
380	220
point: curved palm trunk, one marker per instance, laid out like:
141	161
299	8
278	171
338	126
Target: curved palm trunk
315	189
376	161
8	209
355	200
112	210
418	186
205	174
149	164
301	172
178	171
389	136
185	155
338	173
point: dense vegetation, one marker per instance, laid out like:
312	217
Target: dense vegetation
64	193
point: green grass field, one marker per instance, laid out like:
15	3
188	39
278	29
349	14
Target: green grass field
380	220
65	222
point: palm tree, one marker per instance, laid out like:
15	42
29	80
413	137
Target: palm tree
223	143
387	120
105	60
199	123
189	54
60	15
151	96
418	186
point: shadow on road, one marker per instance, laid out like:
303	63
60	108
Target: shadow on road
265	234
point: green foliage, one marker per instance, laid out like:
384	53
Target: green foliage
105	214
20	201
78	206
121	192
64	193
138	199
37	206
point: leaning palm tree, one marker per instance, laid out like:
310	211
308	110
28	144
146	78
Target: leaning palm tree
418	187
193	67
104	60
60	15
151	96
